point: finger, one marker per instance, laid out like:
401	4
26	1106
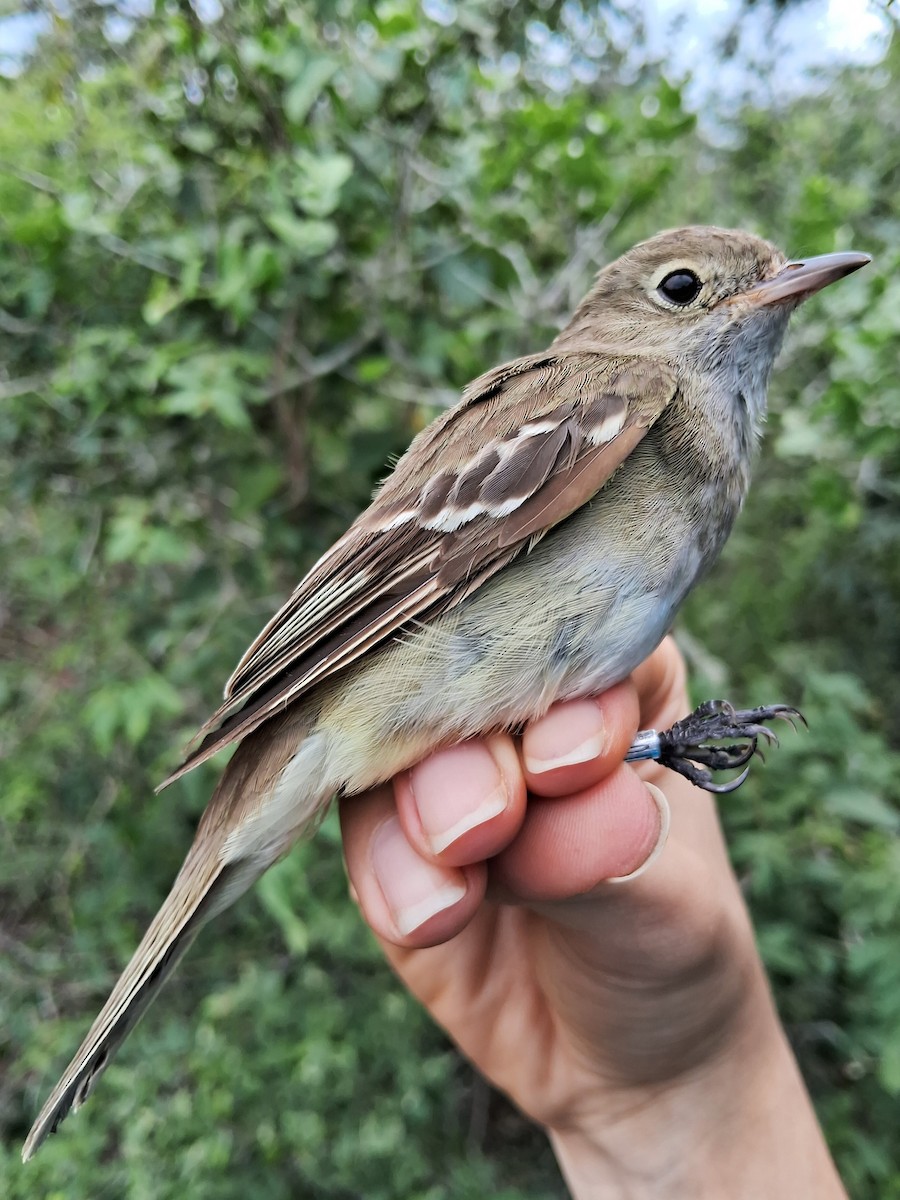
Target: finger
463	804
408	900
568	846
661	686
579	742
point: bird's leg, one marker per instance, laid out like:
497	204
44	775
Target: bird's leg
686	748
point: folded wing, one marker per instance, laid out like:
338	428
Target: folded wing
528	444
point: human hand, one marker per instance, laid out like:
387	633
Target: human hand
631	1018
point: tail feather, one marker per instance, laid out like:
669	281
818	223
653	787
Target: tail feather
262	804
185	910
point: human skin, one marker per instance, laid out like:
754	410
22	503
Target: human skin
631	1019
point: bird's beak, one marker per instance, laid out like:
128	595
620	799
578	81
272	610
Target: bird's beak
798	280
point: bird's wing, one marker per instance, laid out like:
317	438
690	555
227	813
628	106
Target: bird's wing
528	444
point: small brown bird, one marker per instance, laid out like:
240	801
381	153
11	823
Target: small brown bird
532	545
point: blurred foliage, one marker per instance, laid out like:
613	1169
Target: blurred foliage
243	254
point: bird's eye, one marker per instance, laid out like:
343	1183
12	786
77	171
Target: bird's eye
680	287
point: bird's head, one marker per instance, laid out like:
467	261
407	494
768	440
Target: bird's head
712	303
695	294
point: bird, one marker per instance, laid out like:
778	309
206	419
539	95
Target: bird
532	545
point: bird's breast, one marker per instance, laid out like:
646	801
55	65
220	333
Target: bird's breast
571	618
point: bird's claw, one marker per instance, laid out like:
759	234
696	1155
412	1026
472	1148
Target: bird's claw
685	746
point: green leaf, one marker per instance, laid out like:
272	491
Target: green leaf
889	1066
278	897
308	239
162	299
307	87
864	807
224	402
318	182
128	708
373	368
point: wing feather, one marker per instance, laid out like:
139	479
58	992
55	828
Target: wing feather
527	445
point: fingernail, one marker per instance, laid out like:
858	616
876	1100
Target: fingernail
455	791
414	890
570	734
665	820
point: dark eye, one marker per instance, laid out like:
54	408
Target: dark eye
680	287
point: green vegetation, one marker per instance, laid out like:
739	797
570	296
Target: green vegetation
240	262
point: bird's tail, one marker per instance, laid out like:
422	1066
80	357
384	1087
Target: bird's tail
247	826
173	929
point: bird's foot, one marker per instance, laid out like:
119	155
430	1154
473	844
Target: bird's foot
686	748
